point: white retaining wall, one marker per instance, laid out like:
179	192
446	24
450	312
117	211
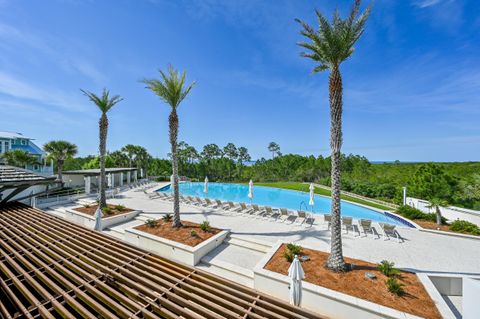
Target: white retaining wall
451	213
88	221
171	249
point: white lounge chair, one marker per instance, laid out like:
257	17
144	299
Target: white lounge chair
390	231
347	223
366	226
244	209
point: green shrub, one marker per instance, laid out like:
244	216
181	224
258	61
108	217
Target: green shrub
395	286
107	210
388	268
413	213
167	218
462	226
291	251
86	205
193	233
151	222
120	207
205	226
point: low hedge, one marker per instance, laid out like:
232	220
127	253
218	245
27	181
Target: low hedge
462	226
413	213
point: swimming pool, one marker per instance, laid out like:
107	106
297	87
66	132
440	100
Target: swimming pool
277	197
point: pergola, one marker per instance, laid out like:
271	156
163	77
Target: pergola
14	180
51	268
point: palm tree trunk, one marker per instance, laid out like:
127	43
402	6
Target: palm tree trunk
60	170
335	261
173	123
103	124
439	215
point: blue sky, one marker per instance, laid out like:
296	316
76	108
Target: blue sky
412	88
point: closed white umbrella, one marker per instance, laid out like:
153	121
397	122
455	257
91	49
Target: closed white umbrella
312	196
296	274
250	190
98	219
205	185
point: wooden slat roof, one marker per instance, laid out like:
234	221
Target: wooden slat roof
15	175
50	268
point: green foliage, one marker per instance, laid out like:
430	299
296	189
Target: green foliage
119	207
291	251
107	210
104	102
431	181
388	268
167	218
19	158
415	214
462	226
86	205
193	233
60	150
395	286
205	226
95	163
152	223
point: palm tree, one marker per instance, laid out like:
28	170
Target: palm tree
59	151
171	89
104	103
19	158
330	45
131	151
436	203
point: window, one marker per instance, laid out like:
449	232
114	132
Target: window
24	142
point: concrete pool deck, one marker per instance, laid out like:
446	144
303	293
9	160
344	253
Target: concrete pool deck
420	251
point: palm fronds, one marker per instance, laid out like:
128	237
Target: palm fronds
104	102
332	43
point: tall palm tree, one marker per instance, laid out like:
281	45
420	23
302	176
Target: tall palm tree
171	89
436	203
131	151
330	45
59	151
104	103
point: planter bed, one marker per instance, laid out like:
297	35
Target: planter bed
176	243
345	295
84	216
91	209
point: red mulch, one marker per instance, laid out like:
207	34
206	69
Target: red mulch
91	209
181	235
415	300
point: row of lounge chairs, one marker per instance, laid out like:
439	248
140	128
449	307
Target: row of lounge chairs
366	226
141	186
284	215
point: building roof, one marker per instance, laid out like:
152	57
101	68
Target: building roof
13	135
10	175
52	268
32	148
96	171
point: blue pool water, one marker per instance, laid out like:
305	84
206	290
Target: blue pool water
277	197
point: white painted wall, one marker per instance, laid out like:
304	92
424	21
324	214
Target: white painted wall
451	213
471	298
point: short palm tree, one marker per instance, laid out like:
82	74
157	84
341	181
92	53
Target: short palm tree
19	158
330	45
59	151
171	88
436	203
104	102
131	151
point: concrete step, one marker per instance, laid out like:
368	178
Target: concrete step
228	271
252	244
142	217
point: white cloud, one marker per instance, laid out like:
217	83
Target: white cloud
16	88
427	3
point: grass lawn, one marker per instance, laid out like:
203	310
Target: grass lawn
321	191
